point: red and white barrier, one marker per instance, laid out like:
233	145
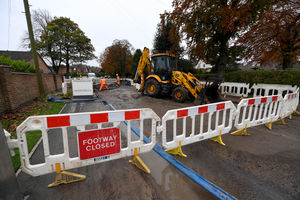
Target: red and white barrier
257	111
89	142
289	104
199	129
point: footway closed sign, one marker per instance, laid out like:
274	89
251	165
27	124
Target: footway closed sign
96	143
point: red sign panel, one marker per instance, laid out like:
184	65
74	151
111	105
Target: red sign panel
98	143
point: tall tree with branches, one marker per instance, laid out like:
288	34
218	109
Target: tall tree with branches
276	36
117	58
167	38
40	19
65	43
209	27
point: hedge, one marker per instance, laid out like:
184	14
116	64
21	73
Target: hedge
17	65
284	77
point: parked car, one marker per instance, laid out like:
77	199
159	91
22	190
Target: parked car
91	75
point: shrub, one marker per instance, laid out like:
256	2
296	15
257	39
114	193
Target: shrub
284	77
74	74
17	65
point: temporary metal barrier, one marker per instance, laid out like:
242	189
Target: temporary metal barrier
197	123
108	139
257	111
289	104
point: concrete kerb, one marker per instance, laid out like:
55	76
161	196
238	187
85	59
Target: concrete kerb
36	145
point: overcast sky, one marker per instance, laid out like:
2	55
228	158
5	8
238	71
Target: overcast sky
102	20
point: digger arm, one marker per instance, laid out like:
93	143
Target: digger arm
188	81
143	62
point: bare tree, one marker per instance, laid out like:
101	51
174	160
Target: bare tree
40	19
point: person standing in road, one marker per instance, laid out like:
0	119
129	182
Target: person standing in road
103	84
118	80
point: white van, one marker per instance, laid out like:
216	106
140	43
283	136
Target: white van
91	75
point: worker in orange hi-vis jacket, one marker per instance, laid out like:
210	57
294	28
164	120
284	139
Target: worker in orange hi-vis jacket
103	84
118	79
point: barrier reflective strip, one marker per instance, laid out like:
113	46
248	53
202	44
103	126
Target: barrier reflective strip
199	110
193	111
75	120
251	101
221	106
114	117
182	113
263	100
99	118
202	109
59	121
130	115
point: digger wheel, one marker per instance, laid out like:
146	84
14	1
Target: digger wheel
180	94
152	87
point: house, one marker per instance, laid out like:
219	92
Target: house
81	68
204	66
62	70
27	56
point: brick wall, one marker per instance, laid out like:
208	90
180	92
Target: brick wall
42	65
17	88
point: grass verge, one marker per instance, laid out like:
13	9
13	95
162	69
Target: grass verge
11	121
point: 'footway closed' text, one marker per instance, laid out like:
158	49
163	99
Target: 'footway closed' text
97	143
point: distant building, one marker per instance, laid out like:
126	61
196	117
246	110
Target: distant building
27	56
204	66
62	70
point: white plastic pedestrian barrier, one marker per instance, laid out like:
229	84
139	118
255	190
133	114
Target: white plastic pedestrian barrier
107	138
271	89
198	123
235	89
256	111
289	104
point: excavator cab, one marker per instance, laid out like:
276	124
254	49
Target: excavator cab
163	65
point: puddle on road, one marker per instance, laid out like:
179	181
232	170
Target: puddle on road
173	182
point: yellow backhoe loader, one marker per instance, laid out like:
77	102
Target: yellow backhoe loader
159	76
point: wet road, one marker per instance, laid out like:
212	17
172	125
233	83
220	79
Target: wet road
264	165
116	179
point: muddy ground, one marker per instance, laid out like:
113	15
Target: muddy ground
263	165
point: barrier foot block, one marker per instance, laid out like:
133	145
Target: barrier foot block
64	177
269	125
137	161
241	131
218	139
280	121
296	113
177	151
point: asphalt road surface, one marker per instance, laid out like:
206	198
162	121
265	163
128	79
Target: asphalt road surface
116	179
264	165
